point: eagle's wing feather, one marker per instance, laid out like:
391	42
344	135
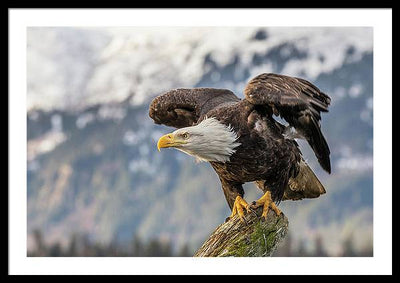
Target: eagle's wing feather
297	101
183	107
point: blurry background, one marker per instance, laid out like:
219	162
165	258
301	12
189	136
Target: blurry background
97	185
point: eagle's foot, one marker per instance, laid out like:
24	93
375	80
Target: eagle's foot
266	202
238	208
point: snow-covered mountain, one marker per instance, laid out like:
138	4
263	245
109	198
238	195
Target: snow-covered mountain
76	67
92	160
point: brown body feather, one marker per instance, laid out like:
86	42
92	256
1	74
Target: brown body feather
266	156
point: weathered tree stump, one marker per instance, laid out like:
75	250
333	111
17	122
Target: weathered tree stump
255	237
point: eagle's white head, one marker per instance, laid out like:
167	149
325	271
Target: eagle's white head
210	140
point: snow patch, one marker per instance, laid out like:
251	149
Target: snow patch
76	67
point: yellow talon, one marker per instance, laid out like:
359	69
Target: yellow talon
266	202
238	206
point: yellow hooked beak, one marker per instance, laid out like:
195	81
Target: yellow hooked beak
169	140
165	141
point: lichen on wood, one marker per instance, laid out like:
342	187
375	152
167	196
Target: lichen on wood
253	237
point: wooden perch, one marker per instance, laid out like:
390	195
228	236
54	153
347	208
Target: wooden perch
253	238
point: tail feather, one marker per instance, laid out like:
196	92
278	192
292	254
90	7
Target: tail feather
304	185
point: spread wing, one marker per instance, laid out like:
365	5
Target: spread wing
299	102
183	107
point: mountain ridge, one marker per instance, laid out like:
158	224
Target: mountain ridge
95	168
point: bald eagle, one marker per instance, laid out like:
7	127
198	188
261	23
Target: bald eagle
243	141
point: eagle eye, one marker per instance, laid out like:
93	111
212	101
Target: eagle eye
185	135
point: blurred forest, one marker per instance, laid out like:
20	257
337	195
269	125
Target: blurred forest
82	246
